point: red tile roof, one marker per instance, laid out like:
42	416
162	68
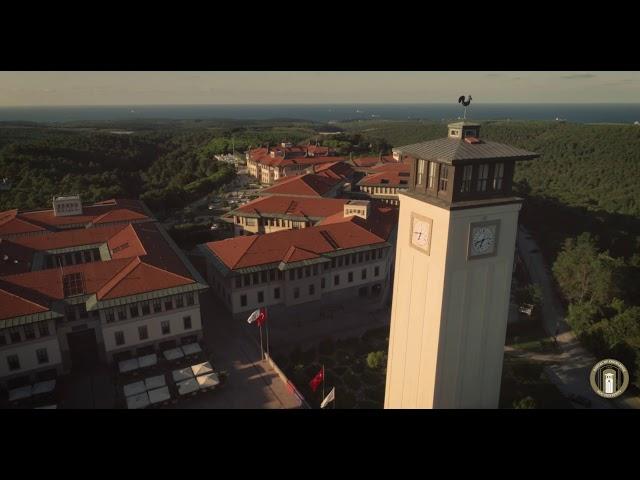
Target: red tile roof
338	170
12	305
391	176
371	161
292	206
142	261
304	185
290	246
109	211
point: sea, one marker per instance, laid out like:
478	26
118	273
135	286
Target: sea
571	112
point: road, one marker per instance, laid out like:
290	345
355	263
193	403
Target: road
572	364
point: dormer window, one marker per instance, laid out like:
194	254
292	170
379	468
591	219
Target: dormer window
472	132
444	178
420	176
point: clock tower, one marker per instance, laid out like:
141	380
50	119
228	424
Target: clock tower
454	259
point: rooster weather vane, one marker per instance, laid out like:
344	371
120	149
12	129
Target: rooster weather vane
465	104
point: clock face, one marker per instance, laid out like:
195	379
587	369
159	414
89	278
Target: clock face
483	239
421	232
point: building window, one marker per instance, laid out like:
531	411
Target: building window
190	299
299	273
43	329
272	275
292	275
122	313
347	260
498	174
145	308
483	176
119	338
315	269
42	355
420	175
276	293
376	271
333	263
247	280
133	310
143	332
350	277
187	322
296	292
255	278
433	166
444	178
340	261
179	301
307	272
29	332
14	362
15	336
312	289
3	339
168	304
322	283
466	178
243	300
364	274
336	280
360	257
157	306
367	256
260	297
165	327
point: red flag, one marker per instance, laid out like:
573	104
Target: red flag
317	380
262	317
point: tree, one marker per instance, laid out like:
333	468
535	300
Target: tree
584	274
581	316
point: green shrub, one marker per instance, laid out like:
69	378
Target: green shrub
525	403
377	360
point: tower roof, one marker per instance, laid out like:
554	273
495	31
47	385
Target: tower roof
454	150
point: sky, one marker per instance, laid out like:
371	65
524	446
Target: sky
277	87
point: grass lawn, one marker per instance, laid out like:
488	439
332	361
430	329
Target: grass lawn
357	384
529	336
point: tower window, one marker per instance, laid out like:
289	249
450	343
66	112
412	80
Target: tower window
466	178
498	174
420	175
444	178
432	174
483	176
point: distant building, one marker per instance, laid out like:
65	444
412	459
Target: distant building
270	164
103	282
348	255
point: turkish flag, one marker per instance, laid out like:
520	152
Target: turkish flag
317	380
262	317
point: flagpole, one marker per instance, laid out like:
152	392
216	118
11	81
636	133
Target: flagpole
261	349
323	381
267	324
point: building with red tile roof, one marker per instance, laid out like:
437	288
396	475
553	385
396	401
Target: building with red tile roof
116	281
385	181
278	212
308	185
270	164
347	254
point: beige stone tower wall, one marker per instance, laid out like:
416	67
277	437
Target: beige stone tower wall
449	314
